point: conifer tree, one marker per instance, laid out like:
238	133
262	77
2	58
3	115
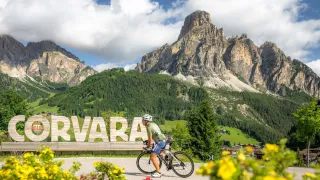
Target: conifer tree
203	128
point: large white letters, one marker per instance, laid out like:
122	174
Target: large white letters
80	135
137	121
121	132
56	132
13	130
28	128
37	128
98	121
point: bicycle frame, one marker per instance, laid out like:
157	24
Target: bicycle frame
171	157
169	162
172	160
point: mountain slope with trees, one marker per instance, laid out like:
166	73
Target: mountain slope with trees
131	92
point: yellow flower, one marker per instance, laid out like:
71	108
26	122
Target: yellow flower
246	175
272	147
310	175
273	173
210	164
289	176
224	153
199	171
249	149
281	178
121	171
65	173
269	178
115	171
55	169
96	163
241	157
27	155
227	168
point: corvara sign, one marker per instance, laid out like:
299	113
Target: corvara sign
38	128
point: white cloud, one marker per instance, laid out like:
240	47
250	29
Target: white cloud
264	20
129	67
123	31
106	66
315	66
127	29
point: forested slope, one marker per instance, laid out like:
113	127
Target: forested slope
131	92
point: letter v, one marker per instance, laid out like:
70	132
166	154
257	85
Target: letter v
80	135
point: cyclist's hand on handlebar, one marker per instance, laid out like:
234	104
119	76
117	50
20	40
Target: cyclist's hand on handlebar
146	149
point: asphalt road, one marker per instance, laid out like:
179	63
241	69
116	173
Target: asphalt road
132	172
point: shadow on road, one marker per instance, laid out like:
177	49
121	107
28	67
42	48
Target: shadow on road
144	175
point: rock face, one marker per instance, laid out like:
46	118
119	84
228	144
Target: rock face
202	51
42	59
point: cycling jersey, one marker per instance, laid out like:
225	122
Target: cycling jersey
154	131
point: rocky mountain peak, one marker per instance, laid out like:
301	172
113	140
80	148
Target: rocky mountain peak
44	59
202	51
10	48
196	19
37	48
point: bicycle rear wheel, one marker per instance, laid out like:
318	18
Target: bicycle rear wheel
145	164
182	164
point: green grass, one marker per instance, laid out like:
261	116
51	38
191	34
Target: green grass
169	125
34	104
237	136
45	108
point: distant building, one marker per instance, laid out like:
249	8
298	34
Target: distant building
314	154
257	153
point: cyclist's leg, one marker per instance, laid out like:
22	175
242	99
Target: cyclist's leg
154	161
154	152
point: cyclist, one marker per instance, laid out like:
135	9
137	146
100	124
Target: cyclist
154	133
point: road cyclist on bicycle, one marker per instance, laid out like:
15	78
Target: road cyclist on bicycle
154	133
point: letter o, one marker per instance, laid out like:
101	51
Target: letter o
28	128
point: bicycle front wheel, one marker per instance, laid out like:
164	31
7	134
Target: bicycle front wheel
145	164
182	164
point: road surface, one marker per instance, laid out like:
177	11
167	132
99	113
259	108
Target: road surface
132	172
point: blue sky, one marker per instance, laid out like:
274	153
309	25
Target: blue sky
106	33
312	12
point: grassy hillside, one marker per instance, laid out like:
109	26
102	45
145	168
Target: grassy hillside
235	136
265	117
27	91
33	91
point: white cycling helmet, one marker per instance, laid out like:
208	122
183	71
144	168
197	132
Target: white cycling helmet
147	117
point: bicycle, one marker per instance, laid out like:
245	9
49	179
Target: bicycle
173	160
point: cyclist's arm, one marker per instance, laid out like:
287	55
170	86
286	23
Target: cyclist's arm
149	141
149	132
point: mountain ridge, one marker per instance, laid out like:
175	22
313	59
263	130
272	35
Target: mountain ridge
203	52
44	59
